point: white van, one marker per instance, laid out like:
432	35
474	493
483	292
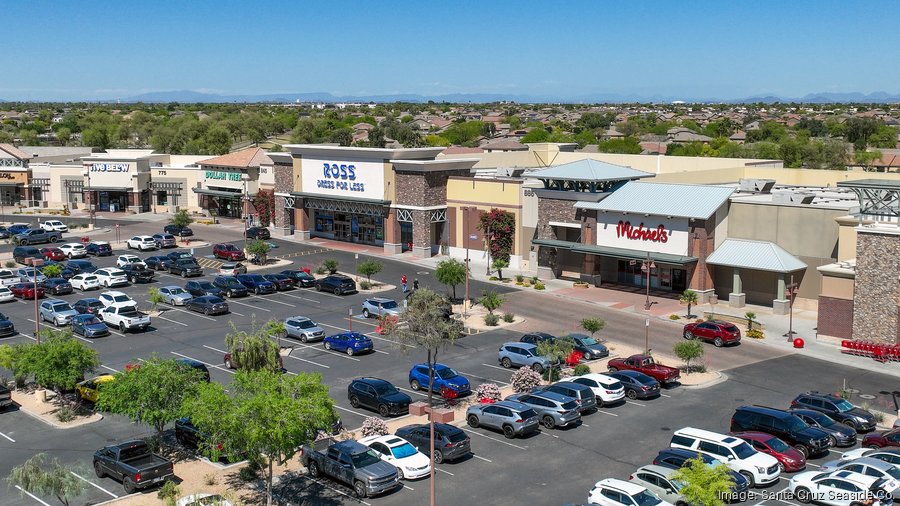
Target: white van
758	468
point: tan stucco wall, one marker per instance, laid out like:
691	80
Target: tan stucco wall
485	194
57	189
839	288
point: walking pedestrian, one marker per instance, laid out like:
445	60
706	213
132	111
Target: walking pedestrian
403	283
415	284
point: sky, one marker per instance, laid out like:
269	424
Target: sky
95	50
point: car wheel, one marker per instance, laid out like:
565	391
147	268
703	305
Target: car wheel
832	440
631	394
587	355
184	274
350	351
366	313
256	290
128	483
318	287
749	477
303	339
338	291
228	364
354	401
802	495
472	420
206	311
688	334
122	327
506	362
229	294
803	450
359	488
383	410
872	447
852	425
718	342
98	470
313	469
438	457
538	368
613	369
548	422
509	432
327	345
414	384
780	467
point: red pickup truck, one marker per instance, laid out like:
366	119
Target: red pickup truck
645	364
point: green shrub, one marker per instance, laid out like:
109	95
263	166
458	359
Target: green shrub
320	270
519	278
551	374
508	317
582	369
755	334
491	320
364	285
10	264
65	414
247	473
535	280
168	492
494	278
674	317
330	265
539	286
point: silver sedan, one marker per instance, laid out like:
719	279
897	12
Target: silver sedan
175	295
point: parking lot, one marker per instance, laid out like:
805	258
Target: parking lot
551	467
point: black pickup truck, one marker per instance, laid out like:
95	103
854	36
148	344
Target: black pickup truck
133	464
138	273
185	267
5	398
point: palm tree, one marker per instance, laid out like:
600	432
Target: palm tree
689	297
751	317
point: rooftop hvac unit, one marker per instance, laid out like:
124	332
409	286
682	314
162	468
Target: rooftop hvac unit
756	185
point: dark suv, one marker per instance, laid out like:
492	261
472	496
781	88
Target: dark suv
257	233
257	283
784	425
450	443
185	267
378	394
20	253
537	338
838	409
337	284
230	286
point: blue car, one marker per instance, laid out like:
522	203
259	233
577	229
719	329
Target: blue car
256	283
349	342
444	377
17	229
89	325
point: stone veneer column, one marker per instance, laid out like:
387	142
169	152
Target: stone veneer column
392	244
877	289
421	234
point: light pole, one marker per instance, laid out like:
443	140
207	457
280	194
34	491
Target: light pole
647	266
245	208
791	293
647	336
466	241
35	265
487	239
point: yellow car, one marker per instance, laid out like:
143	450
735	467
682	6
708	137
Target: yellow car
89	389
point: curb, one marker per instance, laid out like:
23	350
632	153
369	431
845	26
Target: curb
117	499
721	379
57	425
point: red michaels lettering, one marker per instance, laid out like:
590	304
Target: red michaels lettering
626	229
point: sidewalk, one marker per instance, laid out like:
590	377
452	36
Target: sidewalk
632	299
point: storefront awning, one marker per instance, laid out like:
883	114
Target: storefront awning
376	202
12	184
754	255
607	251
219	193
107	188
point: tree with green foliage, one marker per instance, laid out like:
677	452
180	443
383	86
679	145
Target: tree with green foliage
254	350
688	351
704	485
369	268
42	475
154	297
866	159
451	272
152	393
52	270
535	135
498	265
592	325
858	131
556	351
259	249
499	229
58	362
463	134
263	413
491	301
181	218
627	145
690	298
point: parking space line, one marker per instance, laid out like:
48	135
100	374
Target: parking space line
29	494
219	367
301	298
811	464
369	334
664	395
636	403
482	458
375	335
412	391
357	413
235	312
309	346
98	487
232	301
606	412
470	431
548	434
25	335
409	488
173	321
7	437
436	469
501	383
189	312
323	293
495	367
309	361
289	372
362	319
109	368
271	300
332	488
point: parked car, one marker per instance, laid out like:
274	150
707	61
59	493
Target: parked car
608	390
787	426
17	228
378	395
124	260
73	250
56	286
789	459
583	395
257	284
637	384
257	233
536	338
303	329
179	231
27	291
85	282
54	226
185	267
6	294
36	236
759	468
889	455
21	253
134	464
88	325
8	277
282	283
380	306
869	467
187	434
351	343
157	262
55	254
31	274
89	390
99	249
519	354
398	452
450	443
889	438
841	435
207	304
202	287
4	232
196	365
230	286
444	377
301	278
232	269
88	306
614	492
80	266
553	409
175	295
178	255
659	481
138	273
837	408
164	240
116	298
111	277
141	242
589	347
676	458
7	328
337	284
125	317
509	417
647	365
230	252
840	488
718	332
351	463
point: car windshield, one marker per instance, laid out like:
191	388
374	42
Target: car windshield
389	305
90	321
894	472
588	341
206	285
386	389
177	291
796	424
368	458
645	498
570	405
121	298
821	419
528	413
62	307
843	406
403	451
306	324
777	445
446	373
744	451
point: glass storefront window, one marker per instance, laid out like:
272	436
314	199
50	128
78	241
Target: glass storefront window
349	227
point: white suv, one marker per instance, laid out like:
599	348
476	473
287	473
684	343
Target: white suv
608	390
115	298
614	492
111	276
74	250
142	242
758	468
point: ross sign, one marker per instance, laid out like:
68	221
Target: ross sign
222	176
640	233
345	178
109	167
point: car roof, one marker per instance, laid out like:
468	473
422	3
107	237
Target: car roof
380	299
871	461
53	301
114	293
661	470
754	435
520	344
627	487
516	405
388	439
553	396
172	287
862	479
819	395
766	410
372	381
88	300
301	318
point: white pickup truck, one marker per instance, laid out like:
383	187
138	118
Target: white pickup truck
125	317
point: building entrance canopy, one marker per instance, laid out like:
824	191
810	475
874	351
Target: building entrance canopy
754	255
611	252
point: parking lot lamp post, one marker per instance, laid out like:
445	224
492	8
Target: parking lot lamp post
36	263
647	336
647	266
465	211
245	206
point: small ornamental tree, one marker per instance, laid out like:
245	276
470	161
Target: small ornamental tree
155	297
44	476
369	268
487	392
704	485
374	426
491	301
254	350
592	325
451	272
525	380
751	318
52	271
181	218
499	229
690	298
58	363
499	264
556	351
264	202
258	248
688	351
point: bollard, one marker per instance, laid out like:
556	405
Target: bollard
798	342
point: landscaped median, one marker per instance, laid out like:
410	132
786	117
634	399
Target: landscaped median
44	406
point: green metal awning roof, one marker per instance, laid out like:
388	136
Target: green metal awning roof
607	251
377	202
219	193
